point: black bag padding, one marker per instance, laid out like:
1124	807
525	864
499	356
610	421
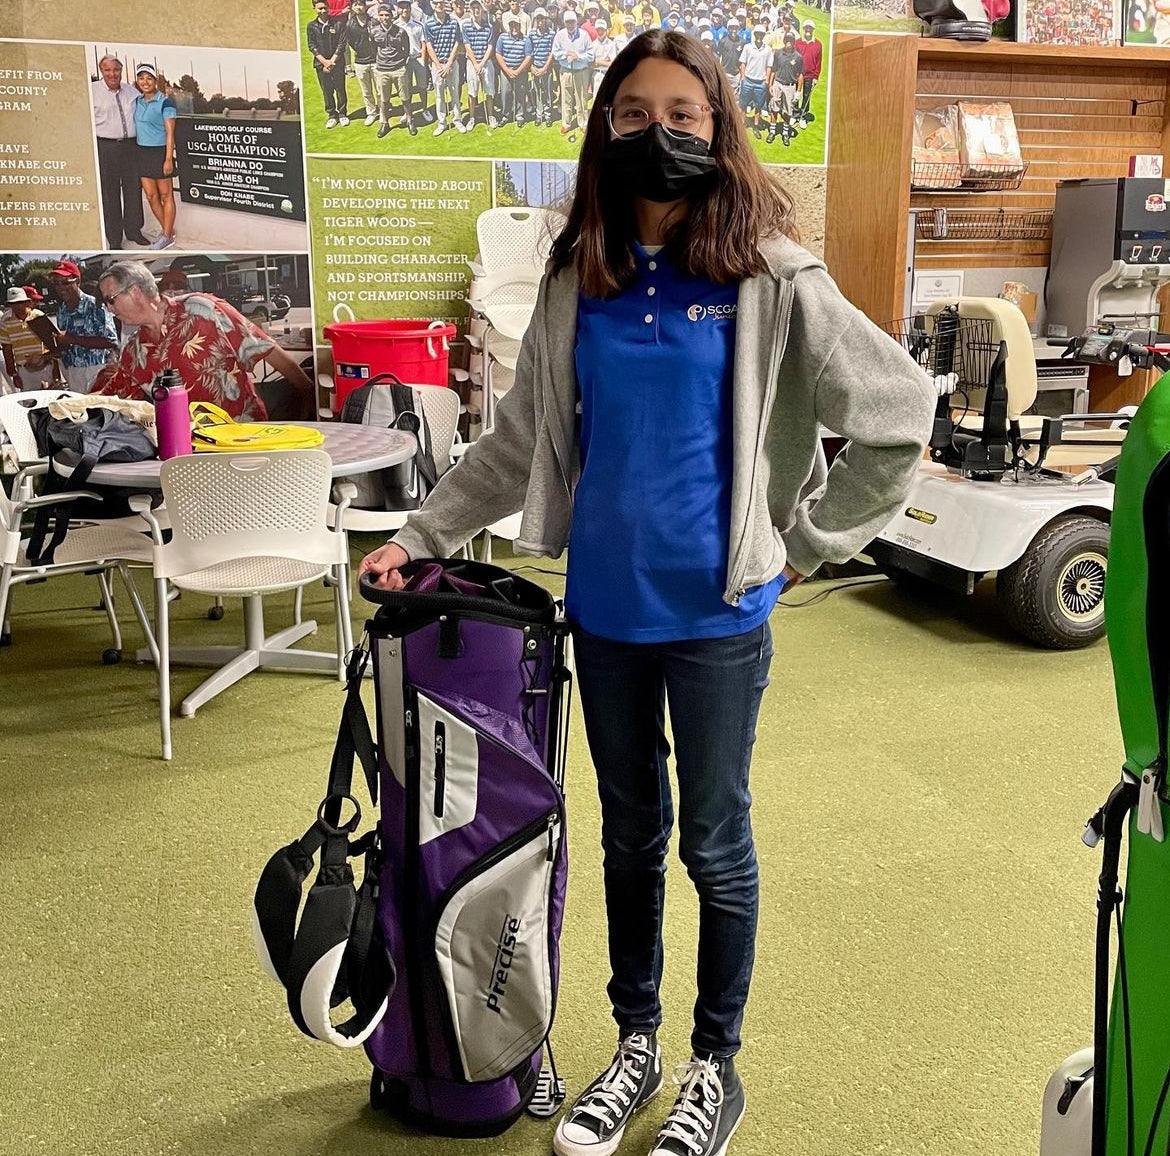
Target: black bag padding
384	401
106	436
335	950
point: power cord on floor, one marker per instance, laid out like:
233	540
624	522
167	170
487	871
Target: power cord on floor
821	595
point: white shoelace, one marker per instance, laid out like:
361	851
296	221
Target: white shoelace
691	1117
620	1081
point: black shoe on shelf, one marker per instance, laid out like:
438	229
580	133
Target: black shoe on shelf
707	1111
595	1123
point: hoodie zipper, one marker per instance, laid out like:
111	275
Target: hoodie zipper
780	340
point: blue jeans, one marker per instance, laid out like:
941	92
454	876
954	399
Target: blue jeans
713	687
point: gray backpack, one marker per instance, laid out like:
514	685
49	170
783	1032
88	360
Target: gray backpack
386	402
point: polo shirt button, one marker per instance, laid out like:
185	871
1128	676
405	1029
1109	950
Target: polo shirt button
649	318
650	291
652	266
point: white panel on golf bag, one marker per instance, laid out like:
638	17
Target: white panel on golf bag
448	771
1067	1125
492	946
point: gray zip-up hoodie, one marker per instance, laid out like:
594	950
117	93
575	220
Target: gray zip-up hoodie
805	359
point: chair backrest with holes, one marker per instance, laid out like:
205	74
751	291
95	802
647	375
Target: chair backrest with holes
14	419
507	299
516	236
225	507
441	406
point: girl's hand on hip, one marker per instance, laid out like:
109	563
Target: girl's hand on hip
791	577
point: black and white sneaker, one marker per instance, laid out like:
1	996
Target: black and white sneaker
708	1110
594	1125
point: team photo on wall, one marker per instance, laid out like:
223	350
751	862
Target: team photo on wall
518	78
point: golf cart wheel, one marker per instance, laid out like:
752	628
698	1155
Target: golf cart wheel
1055	594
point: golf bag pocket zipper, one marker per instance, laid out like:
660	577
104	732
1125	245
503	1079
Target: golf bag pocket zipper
440	767
492	949
448	769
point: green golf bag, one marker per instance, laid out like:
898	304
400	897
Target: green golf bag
1136	1115
1129	1077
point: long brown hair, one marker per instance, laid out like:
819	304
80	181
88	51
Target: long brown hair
718	238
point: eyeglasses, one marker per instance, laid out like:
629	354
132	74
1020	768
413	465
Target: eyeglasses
680	121
111	300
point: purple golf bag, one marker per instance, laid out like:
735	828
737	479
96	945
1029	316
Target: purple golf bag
447	951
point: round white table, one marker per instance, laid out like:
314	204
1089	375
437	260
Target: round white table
354	449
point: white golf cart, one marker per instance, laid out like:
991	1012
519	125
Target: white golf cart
1025	498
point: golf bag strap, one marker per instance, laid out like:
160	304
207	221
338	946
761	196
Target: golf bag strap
354	740
37	552
336	951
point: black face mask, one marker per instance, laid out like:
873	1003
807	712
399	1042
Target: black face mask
660	167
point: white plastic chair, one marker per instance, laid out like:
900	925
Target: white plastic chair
246	525
518	235
21	456
507	299
88	547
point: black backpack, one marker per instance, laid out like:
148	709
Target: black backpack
106	436
385	401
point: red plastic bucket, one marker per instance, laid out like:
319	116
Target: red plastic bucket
416	352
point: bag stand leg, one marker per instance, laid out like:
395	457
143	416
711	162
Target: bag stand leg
1111	818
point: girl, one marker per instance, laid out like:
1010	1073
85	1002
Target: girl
154	125
706	349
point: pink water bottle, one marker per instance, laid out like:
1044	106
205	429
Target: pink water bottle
172	415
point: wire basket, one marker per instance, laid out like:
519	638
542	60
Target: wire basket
939	224
956	352
948	176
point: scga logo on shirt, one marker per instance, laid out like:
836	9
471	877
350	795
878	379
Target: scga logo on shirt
715	312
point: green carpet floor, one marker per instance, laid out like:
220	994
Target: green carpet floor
925	952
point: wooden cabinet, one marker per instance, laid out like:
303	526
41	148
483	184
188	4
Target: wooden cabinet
1080	112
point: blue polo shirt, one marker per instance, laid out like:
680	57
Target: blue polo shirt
150	117
477	37
512	50
443	37
648	550
539	46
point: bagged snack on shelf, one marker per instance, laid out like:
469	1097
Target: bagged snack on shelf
936	148
988	143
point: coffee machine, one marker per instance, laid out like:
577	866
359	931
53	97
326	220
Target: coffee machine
1110	254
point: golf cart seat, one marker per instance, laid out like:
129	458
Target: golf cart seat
1009	326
